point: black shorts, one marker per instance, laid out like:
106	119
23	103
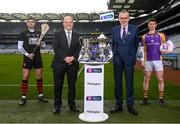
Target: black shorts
36	62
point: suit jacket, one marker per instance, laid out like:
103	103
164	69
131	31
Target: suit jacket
62	50
125	52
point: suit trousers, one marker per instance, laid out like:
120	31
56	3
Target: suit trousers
128	70
59	75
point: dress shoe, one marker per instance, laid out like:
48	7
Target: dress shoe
116	109
74	108
132	110
56	111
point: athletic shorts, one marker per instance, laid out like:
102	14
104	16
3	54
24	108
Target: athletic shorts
36	62
154	65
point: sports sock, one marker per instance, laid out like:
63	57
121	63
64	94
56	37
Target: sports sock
24	87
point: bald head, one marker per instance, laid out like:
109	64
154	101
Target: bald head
68	23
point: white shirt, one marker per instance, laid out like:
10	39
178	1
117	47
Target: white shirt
66	31
122	29
31	30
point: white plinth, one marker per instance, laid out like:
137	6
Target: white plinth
93	92
93	117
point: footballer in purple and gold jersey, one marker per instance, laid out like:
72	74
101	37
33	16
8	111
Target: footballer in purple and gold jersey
151	60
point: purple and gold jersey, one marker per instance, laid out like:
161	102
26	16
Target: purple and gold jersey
151	44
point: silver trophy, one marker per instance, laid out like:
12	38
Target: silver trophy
103	47
85	43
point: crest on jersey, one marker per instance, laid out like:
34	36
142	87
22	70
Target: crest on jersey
33	35
33	41
152	41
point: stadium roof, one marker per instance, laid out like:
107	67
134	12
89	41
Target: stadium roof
138	7
49	17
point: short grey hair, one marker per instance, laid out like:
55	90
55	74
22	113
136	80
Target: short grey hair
67	16
123	11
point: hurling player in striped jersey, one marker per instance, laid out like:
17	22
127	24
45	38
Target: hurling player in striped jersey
31	59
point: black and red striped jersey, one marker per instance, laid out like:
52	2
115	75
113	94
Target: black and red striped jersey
29	39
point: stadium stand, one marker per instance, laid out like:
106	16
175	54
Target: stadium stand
2	47
166	13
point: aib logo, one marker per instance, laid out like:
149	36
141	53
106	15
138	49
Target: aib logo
93	98
94	70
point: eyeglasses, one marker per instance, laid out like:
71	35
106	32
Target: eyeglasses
68	22
124	18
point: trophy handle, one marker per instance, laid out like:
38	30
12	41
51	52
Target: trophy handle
91	41
80	41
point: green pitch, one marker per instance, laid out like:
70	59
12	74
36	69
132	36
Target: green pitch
11	76
34	112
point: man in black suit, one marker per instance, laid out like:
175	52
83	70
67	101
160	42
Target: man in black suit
124	46
66	47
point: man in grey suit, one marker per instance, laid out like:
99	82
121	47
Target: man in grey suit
66	47
124	46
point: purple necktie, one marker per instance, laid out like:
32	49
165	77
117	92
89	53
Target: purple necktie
124	34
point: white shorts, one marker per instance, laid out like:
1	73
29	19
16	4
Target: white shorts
154	65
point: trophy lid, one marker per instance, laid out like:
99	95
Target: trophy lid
102	36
